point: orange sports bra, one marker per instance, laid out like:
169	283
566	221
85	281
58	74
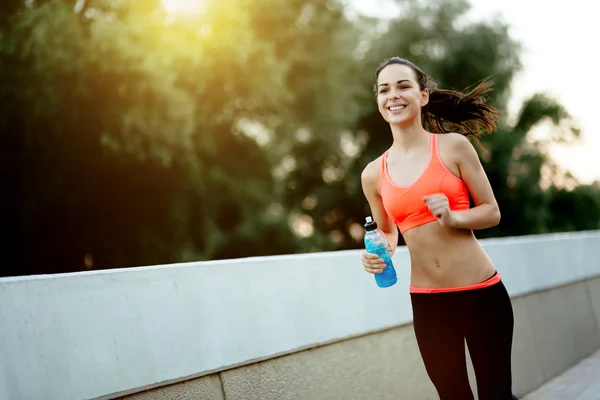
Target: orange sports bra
405	205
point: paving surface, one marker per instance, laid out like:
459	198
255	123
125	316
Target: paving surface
581	382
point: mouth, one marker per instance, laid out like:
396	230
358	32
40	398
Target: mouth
396	107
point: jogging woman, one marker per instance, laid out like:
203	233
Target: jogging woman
421	186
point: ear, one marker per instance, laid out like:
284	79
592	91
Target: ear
424	97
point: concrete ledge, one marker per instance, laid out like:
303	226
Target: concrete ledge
564	327
387	365
593	287
104	334
554	329
527	371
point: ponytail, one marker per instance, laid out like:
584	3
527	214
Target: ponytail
466	113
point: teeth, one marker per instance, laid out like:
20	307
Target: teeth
396	108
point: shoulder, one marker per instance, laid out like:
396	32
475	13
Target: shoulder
454	140
371	173
456	144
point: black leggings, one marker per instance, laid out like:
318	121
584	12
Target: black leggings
482	317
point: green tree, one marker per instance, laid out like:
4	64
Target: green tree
575	209
134	139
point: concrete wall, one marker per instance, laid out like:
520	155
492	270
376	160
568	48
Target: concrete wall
309	327
554	329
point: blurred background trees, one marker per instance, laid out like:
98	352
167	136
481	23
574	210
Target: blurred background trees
132	136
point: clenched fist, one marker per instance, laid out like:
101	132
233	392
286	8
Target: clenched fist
440	208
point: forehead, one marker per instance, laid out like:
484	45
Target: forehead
396	72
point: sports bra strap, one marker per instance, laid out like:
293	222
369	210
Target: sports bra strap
382	171
434	145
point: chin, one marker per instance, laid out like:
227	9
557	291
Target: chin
400	120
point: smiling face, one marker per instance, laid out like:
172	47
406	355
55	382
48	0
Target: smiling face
399	96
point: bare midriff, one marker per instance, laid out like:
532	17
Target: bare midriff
446	257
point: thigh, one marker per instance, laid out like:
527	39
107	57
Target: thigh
489	338
439	331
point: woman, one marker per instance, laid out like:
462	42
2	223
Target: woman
421	185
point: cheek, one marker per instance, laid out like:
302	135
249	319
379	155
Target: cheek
419	99
416	102
380	105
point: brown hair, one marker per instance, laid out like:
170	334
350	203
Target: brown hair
449	110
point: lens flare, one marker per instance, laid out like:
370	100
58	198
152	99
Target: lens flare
182	6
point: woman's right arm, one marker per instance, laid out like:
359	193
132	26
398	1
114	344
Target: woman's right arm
369	180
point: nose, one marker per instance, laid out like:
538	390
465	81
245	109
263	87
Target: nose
394	93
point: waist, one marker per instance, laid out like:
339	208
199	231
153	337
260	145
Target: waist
446	257
494	279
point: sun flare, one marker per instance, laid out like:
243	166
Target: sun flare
182	6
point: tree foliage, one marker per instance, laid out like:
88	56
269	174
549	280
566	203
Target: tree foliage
135	137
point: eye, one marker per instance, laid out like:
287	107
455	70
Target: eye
404	87
382	91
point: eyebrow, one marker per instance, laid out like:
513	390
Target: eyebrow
387	84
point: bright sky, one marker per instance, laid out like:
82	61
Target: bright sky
559	58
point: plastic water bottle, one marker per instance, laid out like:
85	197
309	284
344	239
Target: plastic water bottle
376	243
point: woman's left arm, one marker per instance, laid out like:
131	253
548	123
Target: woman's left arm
486	212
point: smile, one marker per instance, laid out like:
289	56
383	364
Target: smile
396	108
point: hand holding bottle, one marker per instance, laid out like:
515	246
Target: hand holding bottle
372	263
377	257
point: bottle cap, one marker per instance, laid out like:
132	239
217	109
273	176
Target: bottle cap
370	224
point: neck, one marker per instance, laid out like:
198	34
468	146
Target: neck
408	137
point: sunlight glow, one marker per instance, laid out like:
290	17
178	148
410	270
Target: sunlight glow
182	6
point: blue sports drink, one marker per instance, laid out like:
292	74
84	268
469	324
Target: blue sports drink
376	243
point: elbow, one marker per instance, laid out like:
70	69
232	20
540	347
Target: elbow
495	216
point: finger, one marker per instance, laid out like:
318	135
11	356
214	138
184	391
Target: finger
438	201
431	202
434	208
370	257
374	265
436	198
378	263
440	205
432	196
436	211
